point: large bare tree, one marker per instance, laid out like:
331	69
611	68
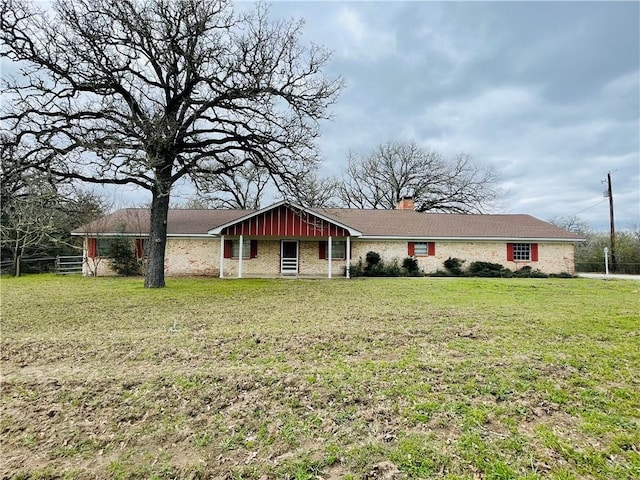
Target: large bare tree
148	92
314	191
242	188
397	169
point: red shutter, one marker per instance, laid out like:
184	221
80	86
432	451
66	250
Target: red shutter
509	252
411	250
534	252
227	249
139	248
253	249
322	250
431	249
92	247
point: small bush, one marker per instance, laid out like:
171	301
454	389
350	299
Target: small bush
561	275
440	273
123	257
487	269
392	270
454	266
410	265
528	272
375	267
355	270
372	259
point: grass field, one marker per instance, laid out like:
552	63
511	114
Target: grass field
308	379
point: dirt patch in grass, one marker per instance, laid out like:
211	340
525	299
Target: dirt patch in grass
409	378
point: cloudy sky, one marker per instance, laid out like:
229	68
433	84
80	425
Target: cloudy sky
546	92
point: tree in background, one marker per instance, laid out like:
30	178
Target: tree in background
38	211
149	93
241	188
37	219
589	255
314	192
397	169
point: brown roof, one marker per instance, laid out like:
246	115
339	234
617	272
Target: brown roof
372	223
179	221
409	223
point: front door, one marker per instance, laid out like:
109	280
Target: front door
289	257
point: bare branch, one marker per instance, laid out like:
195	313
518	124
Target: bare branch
146	93
399	169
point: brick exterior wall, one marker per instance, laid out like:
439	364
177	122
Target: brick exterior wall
201	256
268	260
552	257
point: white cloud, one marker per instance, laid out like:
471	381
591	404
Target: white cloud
359	39
624	84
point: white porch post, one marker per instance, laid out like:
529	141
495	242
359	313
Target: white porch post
221	256
348	255
241	254
329	255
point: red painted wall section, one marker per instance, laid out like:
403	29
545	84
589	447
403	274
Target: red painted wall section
285	222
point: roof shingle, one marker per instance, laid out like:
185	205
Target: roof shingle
372	223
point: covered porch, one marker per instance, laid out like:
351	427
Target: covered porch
284	240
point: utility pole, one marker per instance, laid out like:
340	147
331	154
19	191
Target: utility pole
612	229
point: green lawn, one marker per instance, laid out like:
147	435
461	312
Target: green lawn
306	379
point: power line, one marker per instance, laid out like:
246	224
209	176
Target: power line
600	202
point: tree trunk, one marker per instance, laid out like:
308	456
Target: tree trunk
17	259
154	275
17	263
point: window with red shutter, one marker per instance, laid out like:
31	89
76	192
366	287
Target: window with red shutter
338	250
522	252
421	249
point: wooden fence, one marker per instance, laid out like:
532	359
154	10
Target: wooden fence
67	265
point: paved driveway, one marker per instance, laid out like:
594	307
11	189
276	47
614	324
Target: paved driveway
617	276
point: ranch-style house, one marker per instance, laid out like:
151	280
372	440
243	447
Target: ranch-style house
285	239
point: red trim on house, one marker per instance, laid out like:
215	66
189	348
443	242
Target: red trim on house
227	248
92	247
509	252
322	250
534	252
139	248
411	249
431	249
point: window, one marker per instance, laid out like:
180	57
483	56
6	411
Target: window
338	250
246	249
522	252
421	249
104	246
232	249
101	247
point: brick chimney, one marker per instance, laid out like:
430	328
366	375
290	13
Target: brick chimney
405	203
